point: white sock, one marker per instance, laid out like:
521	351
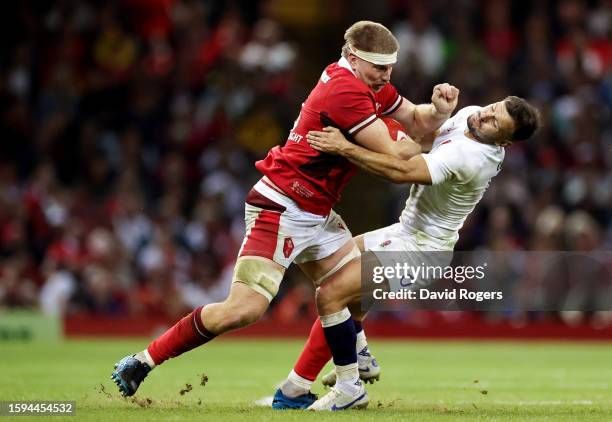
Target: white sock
347	378
361	341
295	385
145	357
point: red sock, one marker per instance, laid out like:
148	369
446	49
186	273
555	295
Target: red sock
185	335
315	355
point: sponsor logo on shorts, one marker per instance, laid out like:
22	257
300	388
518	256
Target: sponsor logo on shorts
288	247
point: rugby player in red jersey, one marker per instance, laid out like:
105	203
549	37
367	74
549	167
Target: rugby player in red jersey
288	213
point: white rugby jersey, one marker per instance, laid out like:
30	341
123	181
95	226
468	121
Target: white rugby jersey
461	169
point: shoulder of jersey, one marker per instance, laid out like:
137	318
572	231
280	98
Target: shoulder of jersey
465	112
342	77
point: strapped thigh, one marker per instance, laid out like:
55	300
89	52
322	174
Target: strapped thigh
353	253
260	274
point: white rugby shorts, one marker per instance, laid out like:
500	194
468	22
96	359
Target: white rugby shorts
277	229
396	244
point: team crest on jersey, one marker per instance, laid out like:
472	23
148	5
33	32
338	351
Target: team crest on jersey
377	107
341	226
385	244
287	247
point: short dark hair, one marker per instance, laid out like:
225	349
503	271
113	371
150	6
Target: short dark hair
525	116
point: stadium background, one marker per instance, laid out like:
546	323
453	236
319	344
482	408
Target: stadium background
129	131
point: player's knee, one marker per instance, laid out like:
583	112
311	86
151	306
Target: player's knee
238	320
331	297
357	310
326	299
240	316
250	315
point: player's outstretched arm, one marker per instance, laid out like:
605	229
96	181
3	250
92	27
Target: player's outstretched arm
376	138
331	141
424	119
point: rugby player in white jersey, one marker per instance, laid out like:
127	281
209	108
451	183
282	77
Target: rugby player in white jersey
465	154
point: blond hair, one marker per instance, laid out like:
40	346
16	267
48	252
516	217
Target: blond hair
371	37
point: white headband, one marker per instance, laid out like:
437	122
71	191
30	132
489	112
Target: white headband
376	58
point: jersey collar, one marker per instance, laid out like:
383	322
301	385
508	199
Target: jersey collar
343	62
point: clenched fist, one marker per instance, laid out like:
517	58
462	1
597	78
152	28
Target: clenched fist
444	98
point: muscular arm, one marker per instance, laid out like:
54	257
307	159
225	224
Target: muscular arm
427	141
376	138
423	119
413	170
420	120
393	169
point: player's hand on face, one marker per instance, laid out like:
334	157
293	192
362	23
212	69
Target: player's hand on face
445	98
330	140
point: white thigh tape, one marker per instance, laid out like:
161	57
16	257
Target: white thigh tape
354	253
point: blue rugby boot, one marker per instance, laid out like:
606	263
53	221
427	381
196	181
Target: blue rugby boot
281	401
129	373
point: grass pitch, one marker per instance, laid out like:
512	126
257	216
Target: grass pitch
421	381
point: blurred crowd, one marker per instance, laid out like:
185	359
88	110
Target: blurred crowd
130	128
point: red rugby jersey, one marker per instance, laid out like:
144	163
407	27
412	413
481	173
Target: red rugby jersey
313	179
